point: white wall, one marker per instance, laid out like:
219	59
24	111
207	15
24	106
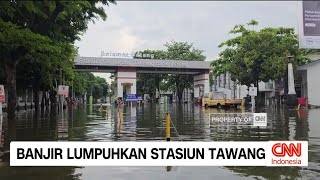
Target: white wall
196	91
313	74
226	91
126	77
262	86
242	91
304	84
314	123
201	79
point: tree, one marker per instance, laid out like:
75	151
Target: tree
42	72
182	51
17	43
80	83
29	28
87	82
255	56
150	83
100	88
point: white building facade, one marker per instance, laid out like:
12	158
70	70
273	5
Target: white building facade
308	76
232	90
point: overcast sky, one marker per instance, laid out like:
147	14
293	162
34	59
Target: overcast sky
139	25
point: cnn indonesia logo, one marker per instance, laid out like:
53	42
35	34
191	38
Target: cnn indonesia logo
286	154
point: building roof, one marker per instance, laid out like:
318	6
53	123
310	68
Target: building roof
149	63
306	66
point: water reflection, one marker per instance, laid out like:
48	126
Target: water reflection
147	123
31	173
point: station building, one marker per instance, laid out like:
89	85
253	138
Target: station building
307	77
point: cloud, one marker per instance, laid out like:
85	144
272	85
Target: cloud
139	25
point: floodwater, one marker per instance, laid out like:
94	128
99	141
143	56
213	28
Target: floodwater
146	123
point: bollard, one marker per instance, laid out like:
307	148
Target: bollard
165	103
168	120
90	104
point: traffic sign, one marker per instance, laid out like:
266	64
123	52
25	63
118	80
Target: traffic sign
253	91
133	97
63	90
2	95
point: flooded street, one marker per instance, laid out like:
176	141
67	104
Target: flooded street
147	123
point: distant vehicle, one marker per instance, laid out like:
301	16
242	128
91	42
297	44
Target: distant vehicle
218	99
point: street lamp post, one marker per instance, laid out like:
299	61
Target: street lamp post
291	97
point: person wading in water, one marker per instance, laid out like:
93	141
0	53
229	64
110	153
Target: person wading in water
119	102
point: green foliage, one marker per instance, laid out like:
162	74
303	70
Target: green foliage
99	88
182	51
81	82
148	83
255	56
15	42
38	37
45	69
60	20
86	82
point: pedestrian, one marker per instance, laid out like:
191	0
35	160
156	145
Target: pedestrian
119	102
